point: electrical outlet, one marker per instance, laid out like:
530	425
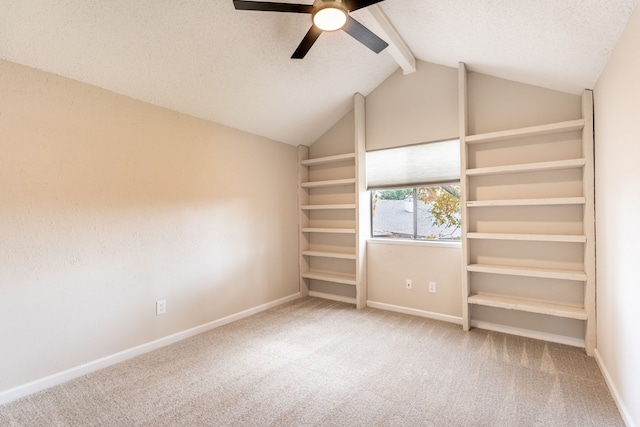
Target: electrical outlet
408	284
432	287
161	307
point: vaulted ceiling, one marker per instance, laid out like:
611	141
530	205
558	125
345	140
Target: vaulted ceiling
206	59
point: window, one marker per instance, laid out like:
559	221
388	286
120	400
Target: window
416	191
419	213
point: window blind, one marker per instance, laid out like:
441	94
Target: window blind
428	163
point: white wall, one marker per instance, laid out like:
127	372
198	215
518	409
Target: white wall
617	158
108	204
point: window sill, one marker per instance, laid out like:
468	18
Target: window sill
407	242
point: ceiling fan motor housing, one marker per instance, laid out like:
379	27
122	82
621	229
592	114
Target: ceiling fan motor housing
329	15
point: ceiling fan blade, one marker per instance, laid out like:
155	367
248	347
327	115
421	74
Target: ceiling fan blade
364	35
306	43
359	4
266	6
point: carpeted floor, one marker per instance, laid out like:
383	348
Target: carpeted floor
316	362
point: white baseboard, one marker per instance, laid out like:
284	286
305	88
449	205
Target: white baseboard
624	412
537	335
78	371
415	312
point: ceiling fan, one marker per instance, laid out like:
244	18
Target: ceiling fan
326	15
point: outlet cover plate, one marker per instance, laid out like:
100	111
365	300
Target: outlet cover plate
161	307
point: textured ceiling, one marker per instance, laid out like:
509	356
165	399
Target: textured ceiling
202	57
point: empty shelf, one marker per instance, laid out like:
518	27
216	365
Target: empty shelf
329	230
568	238
333	297
527	202
328	207
528	167
328	159
568	126
567	311
327	254
331	183
345	279
545	273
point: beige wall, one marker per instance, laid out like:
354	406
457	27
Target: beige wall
413	108
423	107
496	104
617	130
337	140
391	263
404	110
108	204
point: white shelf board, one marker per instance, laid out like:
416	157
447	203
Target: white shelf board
328	207
345	279
547	129
331	183
566	311
327	254
328	159
528	167
329	230
527	202
545	273
568	238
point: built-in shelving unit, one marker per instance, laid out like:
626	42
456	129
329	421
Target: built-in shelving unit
332	231
528	227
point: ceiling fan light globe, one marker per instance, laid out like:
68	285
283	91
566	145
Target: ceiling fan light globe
330	18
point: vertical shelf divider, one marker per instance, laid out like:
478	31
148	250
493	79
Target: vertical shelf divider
464	185
363	218
303	220
588	182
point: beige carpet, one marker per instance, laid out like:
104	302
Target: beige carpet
315	362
